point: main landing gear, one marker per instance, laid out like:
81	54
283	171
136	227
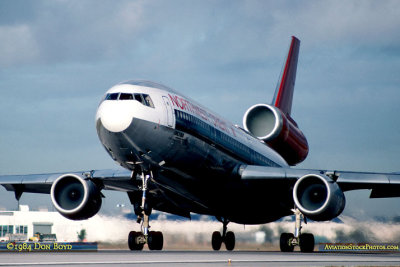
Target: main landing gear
227	237
142	208
288	241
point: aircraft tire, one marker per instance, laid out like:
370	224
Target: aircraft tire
132	243
230	241
307	242
160	240
284	242
155	240
216	240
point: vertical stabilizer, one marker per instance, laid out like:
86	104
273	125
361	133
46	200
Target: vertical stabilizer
284	90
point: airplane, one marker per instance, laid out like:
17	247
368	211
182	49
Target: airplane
180	157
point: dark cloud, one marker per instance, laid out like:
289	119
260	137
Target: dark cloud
14	12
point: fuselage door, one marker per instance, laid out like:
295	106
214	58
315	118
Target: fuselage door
169	111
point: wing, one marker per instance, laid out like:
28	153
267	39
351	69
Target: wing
318	194
382	184
41	183
111	179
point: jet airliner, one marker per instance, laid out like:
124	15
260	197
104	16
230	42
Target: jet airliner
180	157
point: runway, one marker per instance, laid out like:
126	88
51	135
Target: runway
197	258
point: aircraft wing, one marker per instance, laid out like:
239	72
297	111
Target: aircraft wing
168	200
114	179
382	184
109	179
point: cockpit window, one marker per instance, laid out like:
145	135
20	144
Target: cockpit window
142	98
139	98
124	96
148	101
113	96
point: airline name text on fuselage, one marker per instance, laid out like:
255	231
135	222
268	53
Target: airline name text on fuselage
183	104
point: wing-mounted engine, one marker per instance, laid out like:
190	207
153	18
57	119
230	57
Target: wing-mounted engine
318	197
75	198
277	130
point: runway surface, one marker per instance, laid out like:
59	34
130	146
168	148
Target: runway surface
197	258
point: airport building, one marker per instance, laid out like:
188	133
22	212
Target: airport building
23	224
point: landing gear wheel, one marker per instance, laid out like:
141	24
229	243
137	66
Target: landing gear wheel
285	242
160	240
230	241
155	240
216	240
143	208
307	242
133	242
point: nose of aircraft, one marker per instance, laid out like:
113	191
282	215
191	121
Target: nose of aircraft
115	117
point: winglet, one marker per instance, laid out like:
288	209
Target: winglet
284	90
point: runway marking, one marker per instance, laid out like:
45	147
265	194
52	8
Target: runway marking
172	258
228	261
121	262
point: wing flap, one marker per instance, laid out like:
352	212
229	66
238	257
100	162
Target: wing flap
362	178
252	172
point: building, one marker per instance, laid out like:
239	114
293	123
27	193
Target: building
23	224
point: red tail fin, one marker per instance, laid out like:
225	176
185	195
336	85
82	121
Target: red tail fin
284	90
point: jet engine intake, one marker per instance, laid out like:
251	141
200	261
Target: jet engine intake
318	197
277	130
74	197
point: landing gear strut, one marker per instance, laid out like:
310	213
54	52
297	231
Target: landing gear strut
288	240
227	237
136	240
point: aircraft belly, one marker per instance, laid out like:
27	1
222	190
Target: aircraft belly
196	171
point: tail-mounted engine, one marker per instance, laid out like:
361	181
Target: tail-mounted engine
278	131
75	198
318	197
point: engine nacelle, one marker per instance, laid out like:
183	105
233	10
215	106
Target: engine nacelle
75	198
318	197
277	130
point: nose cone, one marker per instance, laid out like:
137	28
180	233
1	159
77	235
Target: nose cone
114	115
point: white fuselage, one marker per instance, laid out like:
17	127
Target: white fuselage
167	108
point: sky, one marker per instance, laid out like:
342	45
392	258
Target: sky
57	59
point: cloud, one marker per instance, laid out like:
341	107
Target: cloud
338	22
18	45
180	34
71	31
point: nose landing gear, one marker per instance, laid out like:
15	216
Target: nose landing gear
142	208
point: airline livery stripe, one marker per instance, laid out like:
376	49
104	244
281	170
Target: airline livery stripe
194	126
285	72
